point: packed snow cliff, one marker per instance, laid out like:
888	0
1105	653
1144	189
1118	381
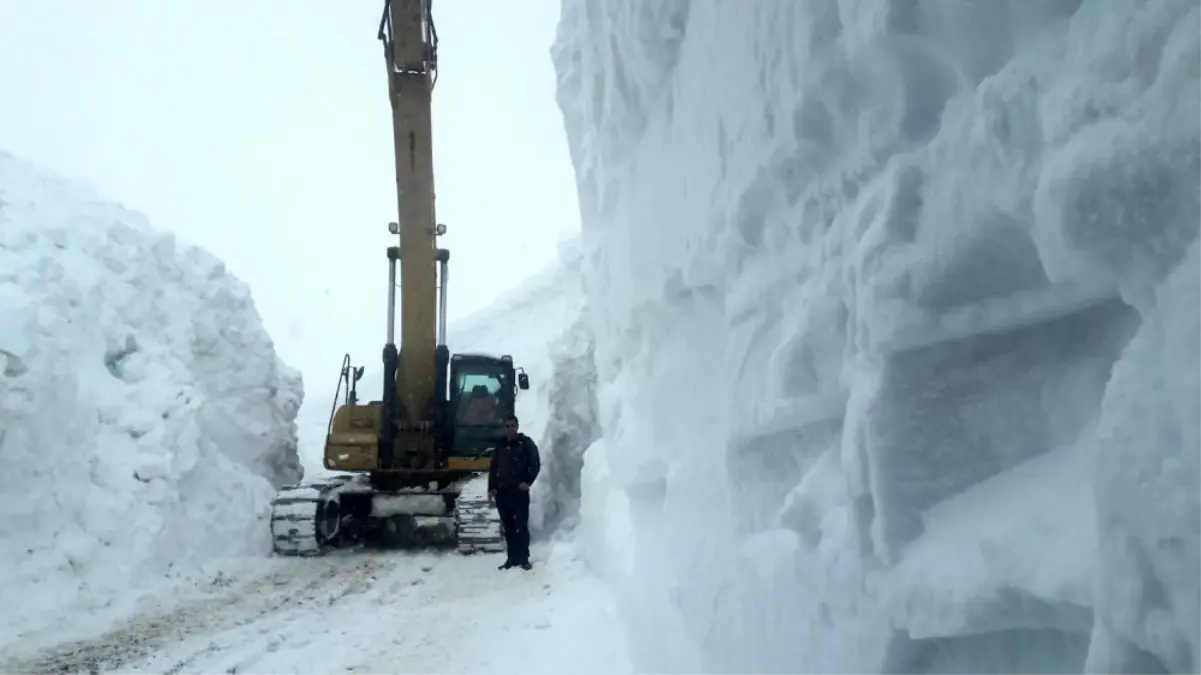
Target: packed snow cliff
895	309
144	415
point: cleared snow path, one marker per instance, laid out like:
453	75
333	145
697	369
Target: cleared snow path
365	612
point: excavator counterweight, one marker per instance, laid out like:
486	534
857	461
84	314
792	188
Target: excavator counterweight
412	464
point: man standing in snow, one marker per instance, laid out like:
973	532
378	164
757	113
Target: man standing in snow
514	467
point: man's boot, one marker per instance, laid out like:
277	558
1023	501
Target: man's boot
509	564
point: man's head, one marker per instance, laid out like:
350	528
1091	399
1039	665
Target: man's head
510	426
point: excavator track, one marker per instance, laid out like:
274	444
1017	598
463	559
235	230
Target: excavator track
477	524
307	519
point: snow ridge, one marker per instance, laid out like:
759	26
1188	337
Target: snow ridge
144	416
895	306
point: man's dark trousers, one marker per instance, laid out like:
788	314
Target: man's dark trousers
514	507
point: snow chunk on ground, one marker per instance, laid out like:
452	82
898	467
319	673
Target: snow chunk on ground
144	416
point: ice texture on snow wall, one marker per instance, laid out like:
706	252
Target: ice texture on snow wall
895	310
144	415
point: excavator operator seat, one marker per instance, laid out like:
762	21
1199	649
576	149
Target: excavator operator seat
479	408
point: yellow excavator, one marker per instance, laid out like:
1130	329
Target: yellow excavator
413	465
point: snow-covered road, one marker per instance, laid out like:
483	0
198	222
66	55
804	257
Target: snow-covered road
367	612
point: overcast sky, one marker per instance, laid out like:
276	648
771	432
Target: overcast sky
260	129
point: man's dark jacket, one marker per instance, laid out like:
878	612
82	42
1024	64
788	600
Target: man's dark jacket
514	461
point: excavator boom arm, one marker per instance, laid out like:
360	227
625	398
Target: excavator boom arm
409	46
424	446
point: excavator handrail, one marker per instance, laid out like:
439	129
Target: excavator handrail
343	374
384	34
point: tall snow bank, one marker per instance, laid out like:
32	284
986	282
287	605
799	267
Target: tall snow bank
144	415
895	329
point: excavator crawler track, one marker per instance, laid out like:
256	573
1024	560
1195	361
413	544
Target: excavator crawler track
477	523
305	518
308	519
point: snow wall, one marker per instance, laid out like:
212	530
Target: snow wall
896	330
144	416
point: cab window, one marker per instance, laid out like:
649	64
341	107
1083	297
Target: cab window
470	382
479	399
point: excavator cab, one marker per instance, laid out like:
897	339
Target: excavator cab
483	390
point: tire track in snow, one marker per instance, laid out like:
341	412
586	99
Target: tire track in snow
363	612
283	586
458	615
423	611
